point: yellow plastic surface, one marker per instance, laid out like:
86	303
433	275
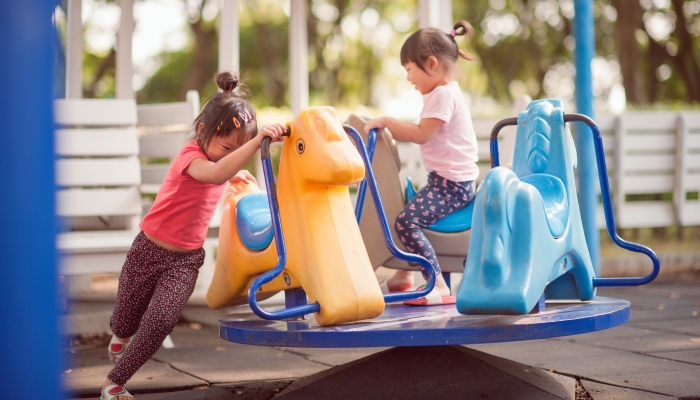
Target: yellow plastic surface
325	252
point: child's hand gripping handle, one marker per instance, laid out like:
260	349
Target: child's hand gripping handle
265	145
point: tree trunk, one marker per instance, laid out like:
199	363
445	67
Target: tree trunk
685	60
203	59
629	19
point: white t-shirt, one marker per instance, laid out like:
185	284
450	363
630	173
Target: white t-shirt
452	153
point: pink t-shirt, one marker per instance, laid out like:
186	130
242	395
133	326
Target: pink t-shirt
184	206
452	153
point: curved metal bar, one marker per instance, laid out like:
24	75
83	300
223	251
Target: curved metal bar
362	188
279	243
493	143
609	216
425	265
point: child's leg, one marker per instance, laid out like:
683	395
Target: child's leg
136	283
178	275
439	198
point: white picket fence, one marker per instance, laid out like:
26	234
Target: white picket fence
653	162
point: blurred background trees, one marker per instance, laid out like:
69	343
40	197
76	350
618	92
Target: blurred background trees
647	52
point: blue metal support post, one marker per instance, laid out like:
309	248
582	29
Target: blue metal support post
584	35
29	345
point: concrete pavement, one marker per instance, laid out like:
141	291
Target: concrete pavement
654	356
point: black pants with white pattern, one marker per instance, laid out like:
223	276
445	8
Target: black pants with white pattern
154	286
438	199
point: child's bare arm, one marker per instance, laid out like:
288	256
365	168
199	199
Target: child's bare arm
221	171
406	131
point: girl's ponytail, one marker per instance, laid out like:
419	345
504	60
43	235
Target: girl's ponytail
228	82
462	28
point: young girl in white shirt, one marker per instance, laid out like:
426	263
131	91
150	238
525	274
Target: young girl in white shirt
448	143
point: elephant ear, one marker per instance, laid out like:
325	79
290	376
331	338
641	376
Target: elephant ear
538	144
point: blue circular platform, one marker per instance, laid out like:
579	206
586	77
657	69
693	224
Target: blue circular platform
401	325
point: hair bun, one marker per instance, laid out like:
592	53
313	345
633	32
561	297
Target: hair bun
226	81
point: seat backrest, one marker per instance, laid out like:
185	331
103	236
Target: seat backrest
543	143
97	167
544	155
163	131
645	143
688	169
386	166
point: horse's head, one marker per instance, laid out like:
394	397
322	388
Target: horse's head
545	142
318	149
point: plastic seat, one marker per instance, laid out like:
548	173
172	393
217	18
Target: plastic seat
459	221
554	201
254	221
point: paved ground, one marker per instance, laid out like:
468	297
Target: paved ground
654	356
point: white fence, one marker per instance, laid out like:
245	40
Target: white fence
653	162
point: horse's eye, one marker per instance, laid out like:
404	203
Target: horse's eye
300	146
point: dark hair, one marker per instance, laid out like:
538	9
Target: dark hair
217	115
428	42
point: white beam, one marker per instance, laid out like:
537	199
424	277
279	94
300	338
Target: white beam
124	65
298	57
435	14
229	37
74	50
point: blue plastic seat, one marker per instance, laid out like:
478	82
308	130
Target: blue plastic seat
254	221
458	221
554	201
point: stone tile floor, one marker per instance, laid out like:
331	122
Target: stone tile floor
656	355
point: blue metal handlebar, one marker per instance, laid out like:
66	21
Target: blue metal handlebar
362	188
425	265
605	194
281	249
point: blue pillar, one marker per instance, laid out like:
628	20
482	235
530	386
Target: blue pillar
584	34
29	345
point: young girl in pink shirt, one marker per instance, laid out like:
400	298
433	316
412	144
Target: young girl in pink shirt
448	143
162	265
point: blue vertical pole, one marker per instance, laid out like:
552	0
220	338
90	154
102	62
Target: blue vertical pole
29	345
584	34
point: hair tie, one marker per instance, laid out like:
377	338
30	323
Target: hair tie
235	122
453	33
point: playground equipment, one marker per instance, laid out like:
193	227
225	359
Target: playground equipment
527	241
326	256
449	236
441	325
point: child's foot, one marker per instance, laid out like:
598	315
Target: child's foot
112	391
401	281
117	347
441	286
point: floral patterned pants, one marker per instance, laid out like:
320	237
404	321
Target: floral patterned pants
162	278
439	198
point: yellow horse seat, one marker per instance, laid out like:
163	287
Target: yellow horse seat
254	221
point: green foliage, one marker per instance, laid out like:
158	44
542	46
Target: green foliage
163	87
520	45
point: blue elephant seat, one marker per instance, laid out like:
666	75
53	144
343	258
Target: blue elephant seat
254	221
527	238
